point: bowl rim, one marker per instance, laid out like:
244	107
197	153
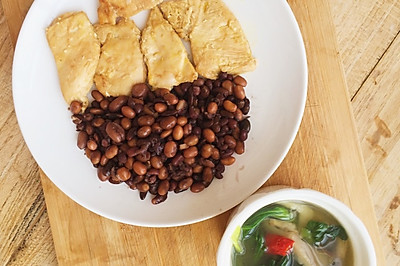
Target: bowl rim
364	252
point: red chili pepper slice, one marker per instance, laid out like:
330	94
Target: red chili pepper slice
278	245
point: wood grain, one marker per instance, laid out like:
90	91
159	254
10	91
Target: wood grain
368	38
379	129
24	231
364	30
15	11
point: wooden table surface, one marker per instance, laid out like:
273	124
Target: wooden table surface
368	43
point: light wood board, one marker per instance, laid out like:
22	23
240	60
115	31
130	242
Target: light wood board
314	161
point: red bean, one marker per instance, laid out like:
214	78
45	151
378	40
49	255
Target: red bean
139	168
170	149
82	140
75	107
240	81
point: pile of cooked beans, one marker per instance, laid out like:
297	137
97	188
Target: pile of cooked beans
161	141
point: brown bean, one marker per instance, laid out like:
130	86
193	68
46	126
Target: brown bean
212	108
170	149
128	112
177	160
158	199
75	107
88	117
88	153
239	149
160	107
199	82
163	173
206	151
126	123
190	152
228	85
190	161
95	157
187	129
230	141
104	104
209	135
177	133
197	169
239	92
228	161
170	99
207	174
163	187
102	174
91	145
142	186
139	168
197	187
239	115
182	121
215	154
168	122
156	162
129	163
82	140
103	160
98	122
96	111
146	120
182	104
139	90
111	151
166	133
243	135
123	174
156	128
208	163
238	80
143	157
89	129
144	132
161	92
117	103
230	106
97	95
185	183
115	132
191	140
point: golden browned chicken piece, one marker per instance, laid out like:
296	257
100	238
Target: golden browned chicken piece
110	10
76	51
166	57
217	39
182	15
121	63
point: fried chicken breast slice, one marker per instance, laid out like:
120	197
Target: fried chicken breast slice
76	50
218	42
166	57
182	15
121	63
110	10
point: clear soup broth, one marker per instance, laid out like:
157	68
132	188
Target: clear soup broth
291	233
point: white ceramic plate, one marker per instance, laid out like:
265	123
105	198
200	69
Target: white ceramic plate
277	90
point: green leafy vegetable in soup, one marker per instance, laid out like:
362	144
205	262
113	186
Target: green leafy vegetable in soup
291	234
